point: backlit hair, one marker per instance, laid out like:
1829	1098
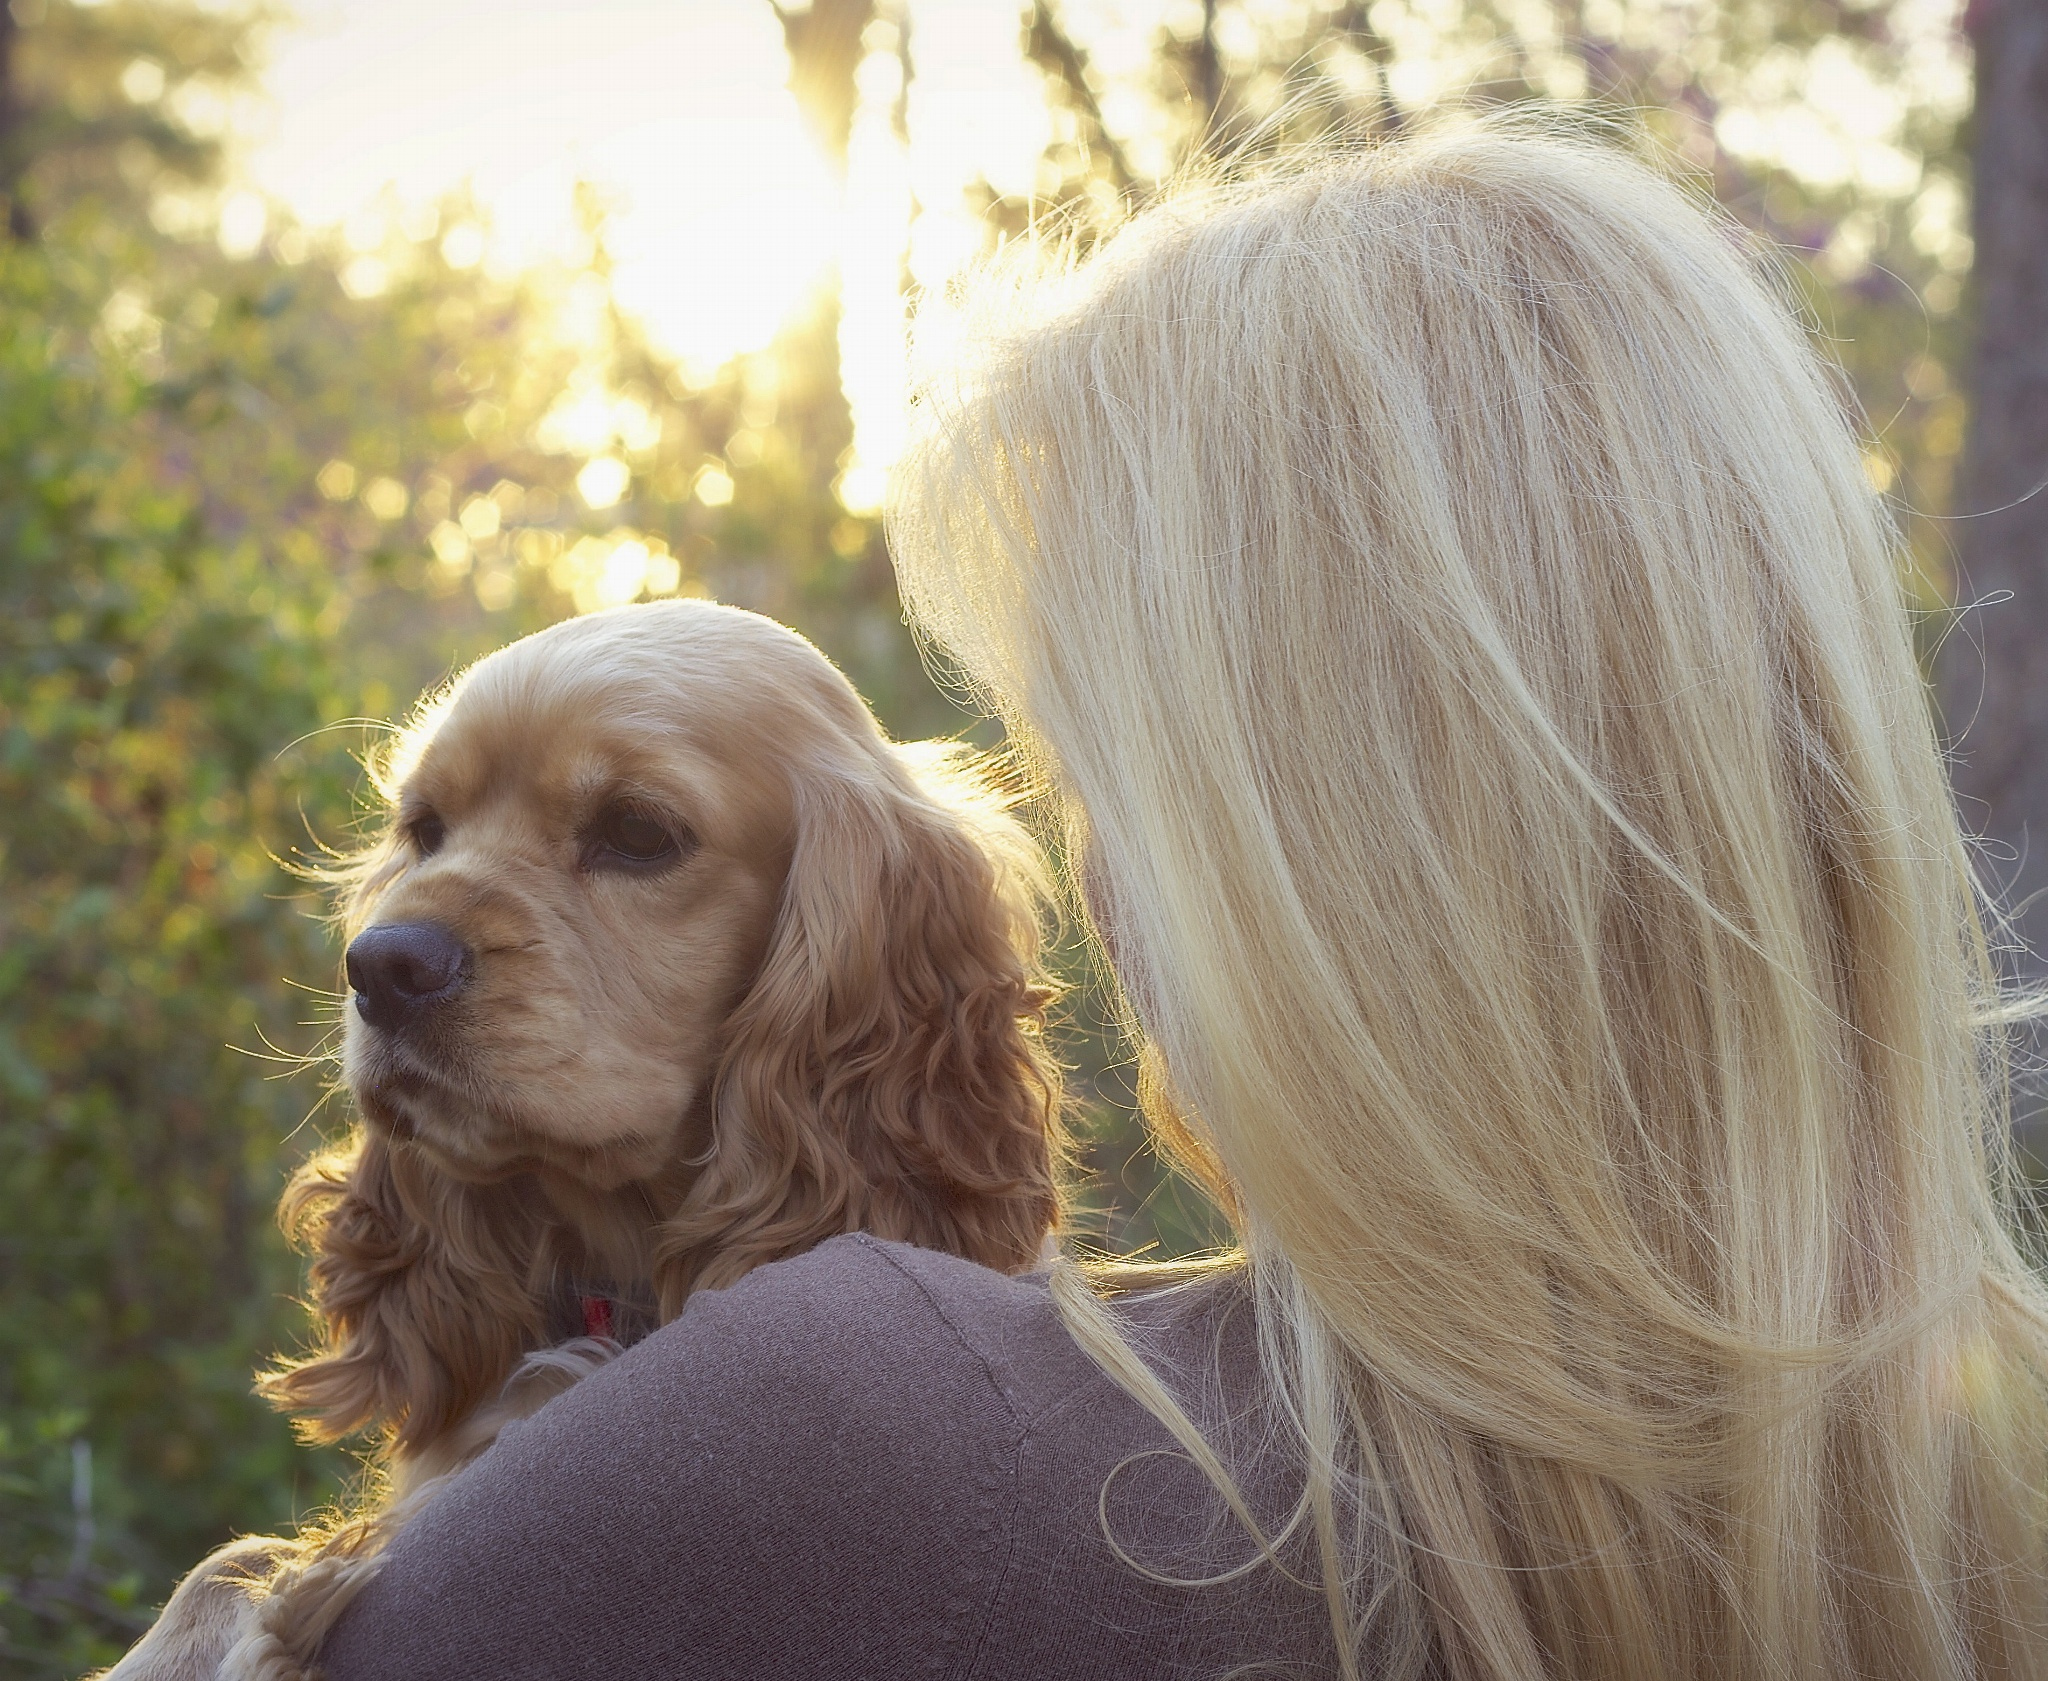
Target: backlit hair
1442	586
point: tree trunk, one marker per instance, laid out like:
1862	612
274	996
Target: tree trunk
12	148
824	45
1994	665
1048	45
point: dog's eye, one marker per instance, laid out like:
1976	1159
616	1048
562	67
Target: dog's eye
428	833
631	836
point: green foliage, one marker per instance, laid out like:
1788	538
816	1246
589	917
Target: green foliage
151	667
112	101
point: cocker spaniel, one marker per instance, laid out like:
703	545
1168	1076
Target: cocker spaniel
667	963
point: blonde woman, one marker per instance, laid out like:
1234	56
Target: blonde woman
1444	592
1441	588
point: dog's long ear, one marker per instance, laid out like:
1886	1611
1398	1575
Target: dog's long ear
427	1291
887	1071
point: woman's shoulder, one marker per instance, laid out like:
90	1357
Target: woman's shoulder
868	1459
861	1322
878	1303
862	1311
830	1467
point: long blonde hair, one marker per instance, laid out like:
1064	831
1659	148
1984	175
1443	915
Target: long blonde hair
1441	584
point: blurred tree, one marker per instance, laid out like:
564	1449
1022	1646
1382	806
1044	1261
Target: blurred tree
151	667
152	664
1833	127
112	100
1995	666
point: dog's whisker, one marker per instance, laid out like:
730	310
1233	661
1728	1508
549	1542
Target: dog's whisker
319	1103
296	1061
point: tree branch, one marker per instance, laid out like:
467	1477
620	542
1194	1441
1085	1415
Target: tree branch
1049	47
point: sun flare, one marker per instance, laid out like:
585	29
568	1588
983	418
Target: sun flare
723	216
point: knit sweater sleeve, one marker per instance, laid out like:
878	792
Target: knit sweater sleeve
809	1473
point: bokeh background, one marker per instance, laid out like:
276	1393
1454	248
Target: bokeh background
338	348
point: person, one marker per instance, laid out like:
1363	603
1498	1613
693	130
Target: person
1439	588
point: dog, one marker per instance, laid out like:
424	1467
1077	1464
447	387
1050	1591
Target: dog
667	963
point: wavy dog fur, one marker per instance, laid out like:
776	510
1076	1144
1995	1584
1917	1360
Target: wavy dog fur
824	1016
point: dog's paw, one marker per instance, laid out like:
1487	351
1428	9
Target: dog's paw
212	1609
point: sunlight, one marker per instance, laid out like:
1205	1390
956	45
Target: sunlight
243	218
609	571
975	111
721	213
1825	116
590	419
603	481
873	330
722	223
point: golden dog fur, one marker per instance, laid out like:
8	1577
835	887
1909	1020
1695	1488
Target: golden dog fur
743	975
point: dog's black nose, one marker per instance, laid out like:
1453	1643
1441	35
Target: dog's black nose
402	969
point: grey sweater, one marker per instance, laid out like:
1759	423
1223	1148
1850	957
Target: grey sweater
869	1461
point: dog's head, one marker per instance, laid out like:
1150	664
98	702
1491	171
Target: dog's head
589	838
667	963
